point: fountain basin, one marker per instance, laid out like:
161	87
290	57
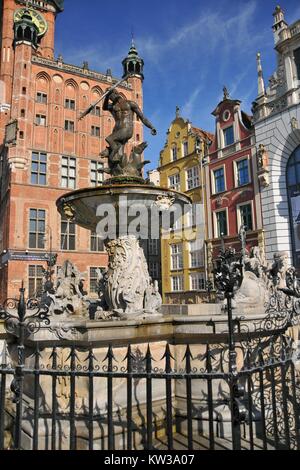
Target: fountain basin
82	206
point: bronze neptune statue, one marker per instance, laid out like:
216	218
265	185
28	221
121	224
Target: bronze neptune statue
120	165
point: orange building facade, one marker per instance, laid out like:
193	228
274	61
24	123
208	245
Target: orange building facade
45	149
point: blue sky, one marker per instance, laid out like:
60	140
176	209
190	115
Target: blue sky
191	49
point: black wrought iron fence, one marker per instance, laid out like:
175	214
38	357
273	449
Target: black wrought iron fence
135	397
239	390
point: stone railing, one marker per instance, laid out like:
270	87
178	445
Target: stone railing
295	29
82	71
41	4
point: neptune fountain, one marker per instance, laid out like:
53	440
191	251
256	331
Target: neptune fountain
122	211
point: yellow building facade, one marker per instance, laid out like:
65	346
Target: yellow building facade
183	256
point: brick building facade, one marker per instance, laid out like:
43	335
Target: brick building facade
232	188
45	149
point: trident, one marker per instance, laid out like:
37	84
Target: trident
90	108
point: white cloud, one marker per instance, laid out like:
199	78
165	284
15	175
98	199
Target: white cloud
188	107
210	30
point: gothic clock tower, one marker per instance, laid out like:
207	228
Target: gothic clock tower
27	28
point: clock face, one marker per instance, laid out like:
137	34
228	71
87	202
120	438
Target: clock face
37	19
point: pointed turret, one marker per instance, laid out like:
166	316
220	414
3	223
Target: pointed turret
260	79
279	23
133	64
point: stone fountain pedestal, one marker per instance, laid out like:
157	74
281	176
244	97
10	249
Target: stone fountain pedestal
124	214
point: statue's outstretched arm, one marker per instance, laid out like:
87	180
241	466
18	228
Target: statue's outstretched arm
144	120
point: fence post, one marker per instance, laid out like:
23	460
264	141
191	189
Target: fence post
18	381
228	278
235	391
17	323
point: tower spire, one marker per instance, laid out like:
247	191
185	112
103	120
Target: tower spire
133	64
132	38
226	95
260	79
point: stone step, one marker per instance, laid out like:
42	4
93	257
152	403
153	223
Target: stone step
180	442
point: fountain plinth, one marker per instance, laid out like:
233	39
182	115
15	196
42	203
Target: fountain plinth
121	215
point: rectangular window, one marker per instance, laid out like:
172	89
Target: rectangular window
174	154
95	131
197	281
185	149
154	269
39	168
40	120
93	280
177	283
192	215
35	281
176	223
297	61
96	242
221	224
41	98
246	216
174	182
69	126
70	104
193	178
96	111
196	254
242	168
228	136
153	247
176	257
97	173
68	235
37	228
68	172
219	178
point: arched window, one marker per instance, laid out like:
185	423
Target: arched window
20	32
293	190
28	33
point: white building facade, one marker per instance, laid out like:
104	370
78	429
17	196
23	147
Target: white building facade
277	129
